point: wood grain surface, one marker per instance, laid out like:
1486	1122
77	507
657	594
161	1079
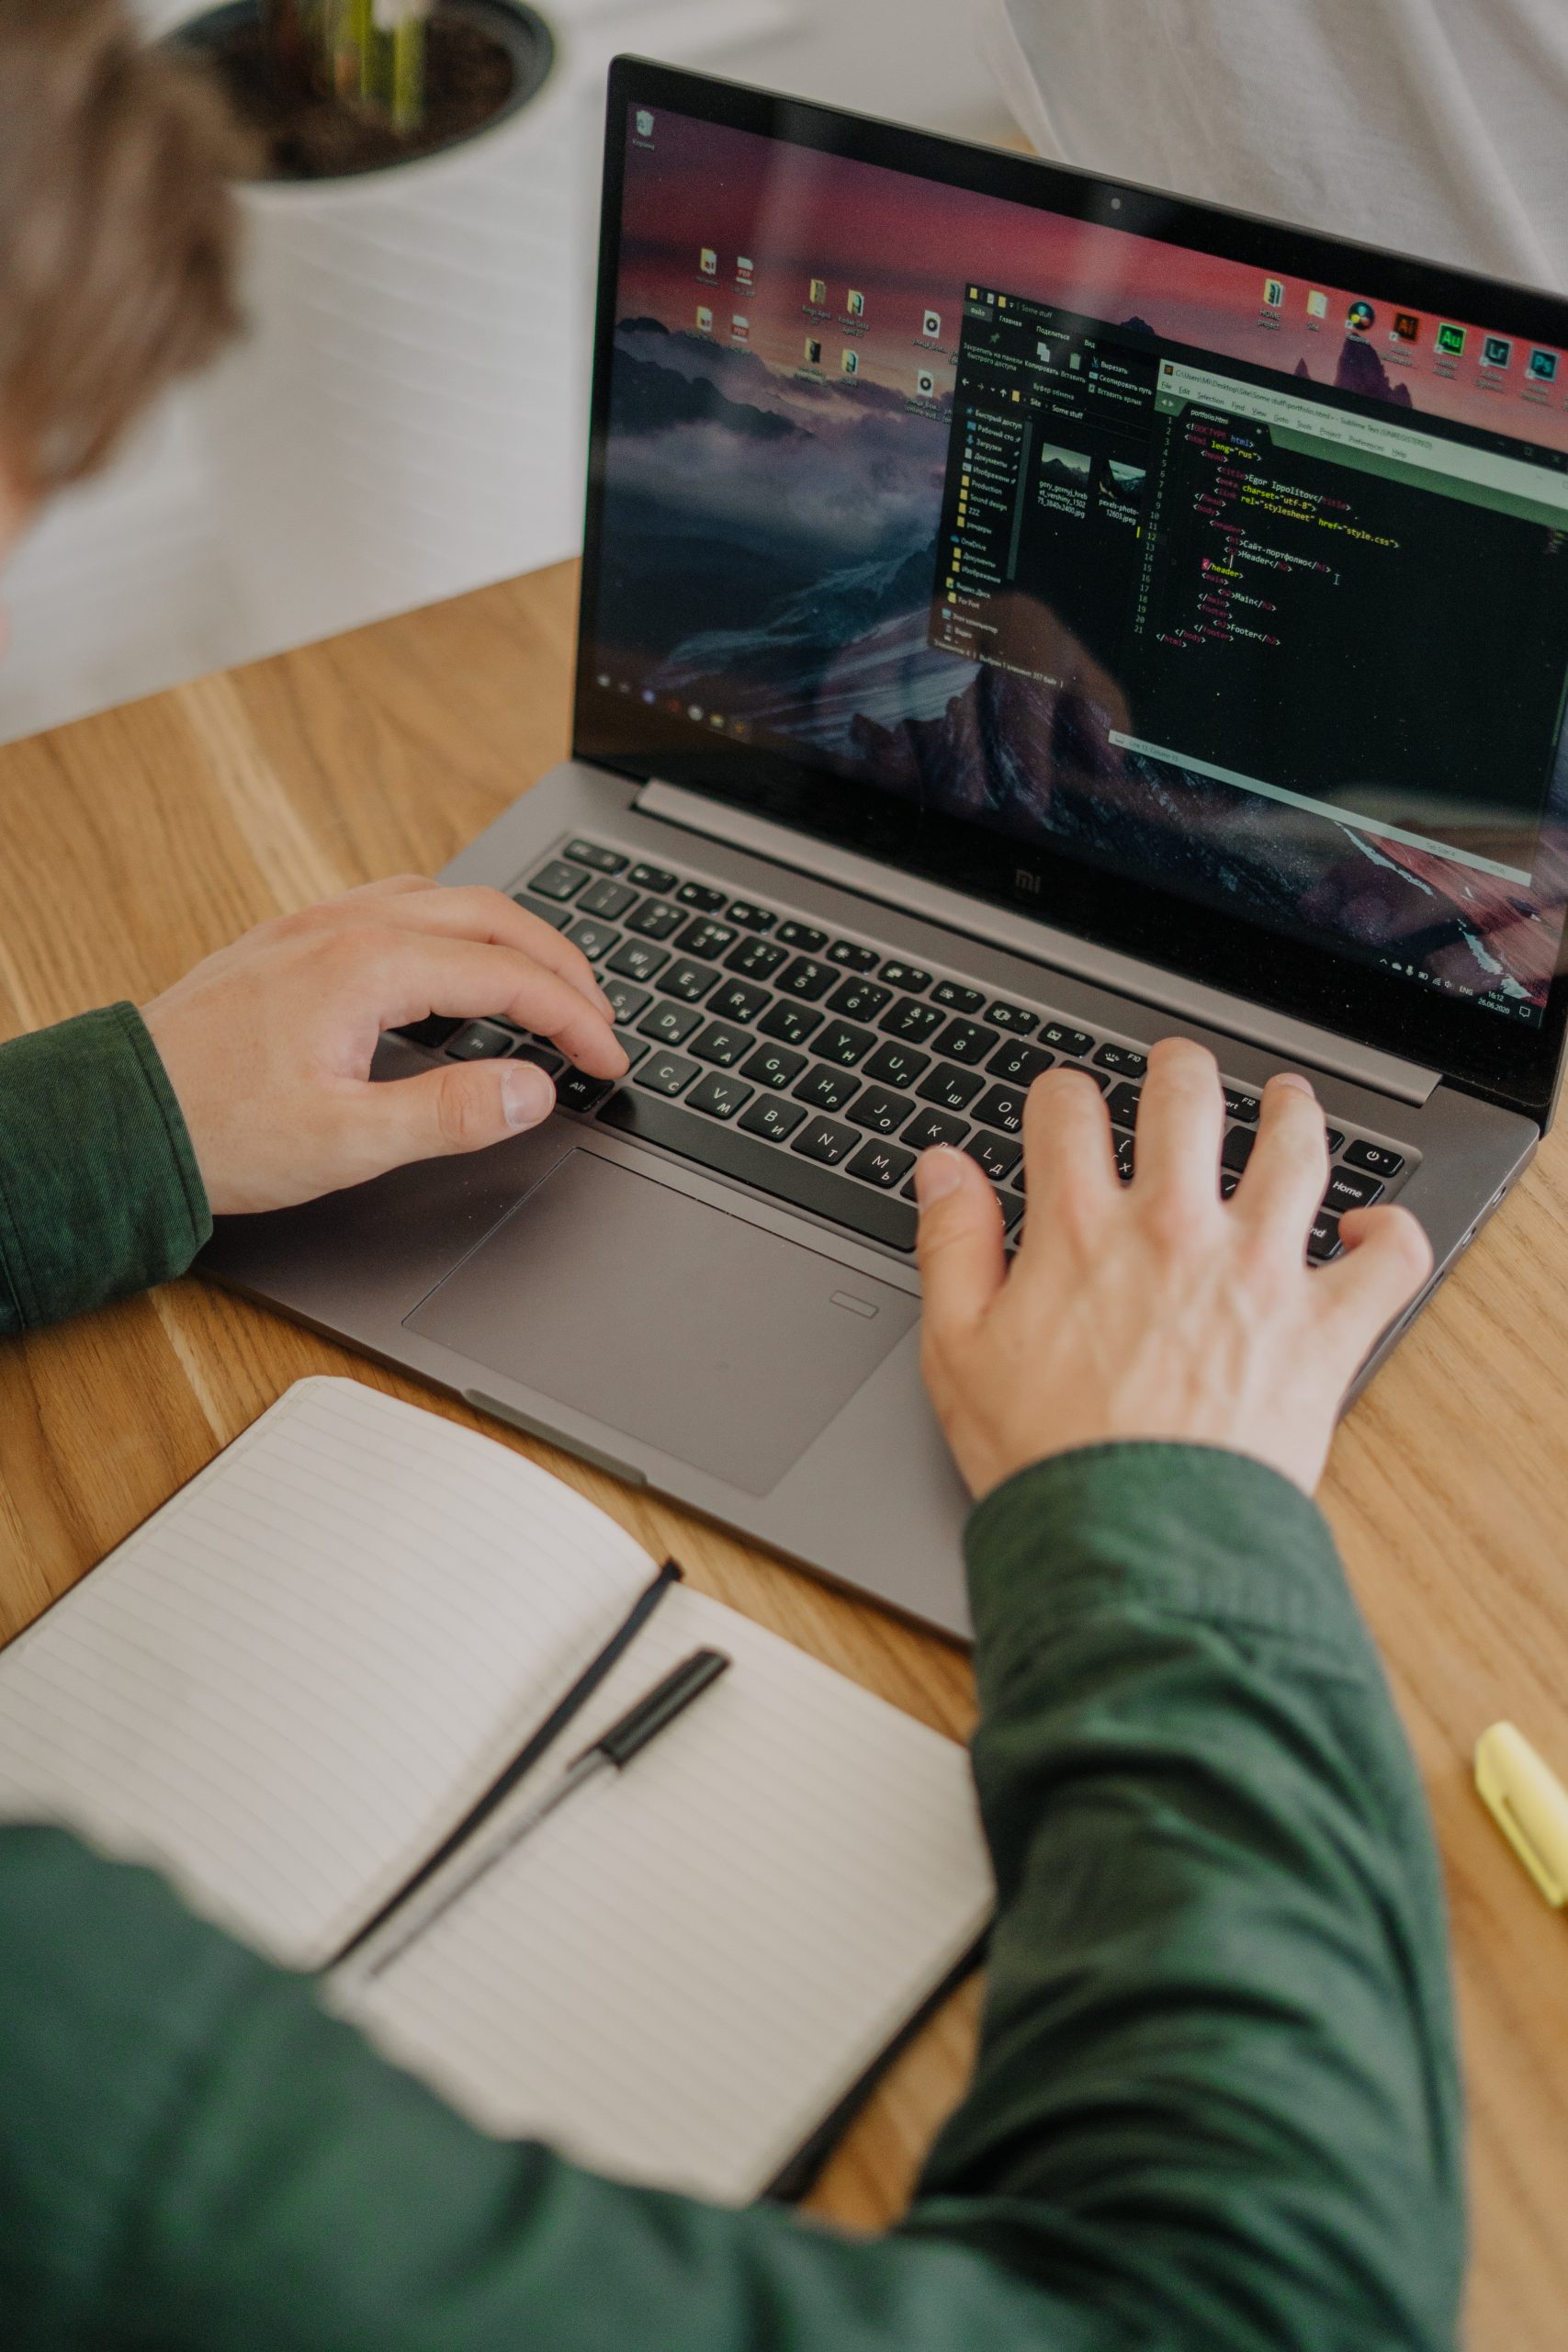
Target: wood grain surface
139	841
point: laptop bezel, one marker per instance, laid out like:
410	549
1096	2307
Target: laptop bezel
1520	1067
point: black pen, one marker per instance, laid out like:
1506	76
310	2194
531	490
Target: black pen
614	1750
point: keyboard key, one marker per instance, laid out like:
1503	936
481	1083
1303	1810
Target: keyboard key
718	1095
656	878
1237	1148
557	917
705	939
914	1022
1123	1060
603	861
897	1065
953	1089
1013	1017
842	1041
1123	1104
747	917
801	935
1003	1108
881	1110
861	999
882	1163
966	1041
956	997
907	976
593	938
557	880
1323	1241
575	1090
480	1043
701	895
777	1121
1229	1179
790	1022
1011	1208
637	959
1124	1158
667	1073
634	1049
1348	1189
1376	1159
1334	1139
722	1044
540	1050
688	981
827	1090
655	919
432	1033
851	957
807	978
629	1001
670	1024
825	1140
998	1155
738	1000
756	960
1245	1107
821	1191
773	1065
1021	1063
608	899
930	1128
1067	1041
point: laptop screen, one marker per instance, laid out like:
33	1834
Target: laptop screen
1211	604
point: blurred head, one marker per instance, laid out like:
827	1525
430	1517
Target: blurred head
117	236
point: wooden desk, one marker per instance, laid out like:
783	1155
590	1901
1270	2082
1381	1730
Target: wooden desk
137	842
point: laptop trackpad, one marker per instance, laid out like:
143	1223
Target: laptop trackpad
668	1320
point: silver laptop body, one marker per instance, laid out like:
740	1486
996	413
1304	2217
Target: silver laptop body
852	891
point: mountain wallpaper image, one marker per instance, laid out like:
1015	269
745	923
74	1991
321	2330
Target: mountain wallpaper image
770	548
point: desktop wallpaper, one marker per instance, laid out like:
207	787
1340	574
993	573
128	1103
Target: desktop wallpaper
786	346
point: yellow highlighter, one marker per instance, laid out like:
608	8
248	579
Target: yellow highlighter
1529	1804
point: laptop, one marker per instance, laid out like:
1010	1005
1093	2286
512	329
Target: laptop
1023	615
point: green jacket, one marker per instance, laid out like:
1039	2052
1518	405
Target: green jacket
1215	2104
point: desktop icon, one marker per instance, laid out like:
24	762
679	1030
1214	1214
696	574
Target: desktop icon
644	123
851	363
704	319
1450	341
930	325
1543	367
925	385
739	326
743	269
1273	294
854	304
1406	327
813	352
1361	317
818	294
1496	351
1317	306
708	262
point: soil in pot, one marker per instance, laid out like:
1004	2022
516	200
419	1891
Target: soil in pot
482	63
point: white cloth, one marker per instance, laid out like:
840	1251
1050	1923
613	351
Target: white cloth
1439	126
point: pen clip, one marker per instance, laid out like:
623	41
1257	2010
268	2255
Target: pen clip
1528	1805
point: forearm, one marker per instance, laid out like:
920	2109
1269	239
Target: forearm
100	1189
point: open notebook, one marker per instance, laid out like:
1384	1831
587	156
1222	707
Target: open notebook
290	1683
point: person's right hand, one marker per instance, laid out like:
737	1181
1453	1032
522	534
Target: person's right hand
1153	1309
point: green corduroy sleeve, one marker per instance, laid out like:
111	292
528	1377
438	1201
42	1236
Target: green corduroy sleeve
99	1189
1214	2109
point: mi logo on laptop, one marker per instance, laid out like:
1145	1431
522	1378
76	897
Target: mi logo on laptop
1023	879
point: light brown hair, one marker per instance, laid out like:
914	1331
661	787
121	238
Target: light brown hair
118	231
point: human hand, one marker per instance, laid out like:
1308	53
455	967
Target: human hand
268	1044
1153	1309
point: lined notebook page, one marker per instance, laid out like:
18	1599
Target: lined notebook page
288	1684
683	1970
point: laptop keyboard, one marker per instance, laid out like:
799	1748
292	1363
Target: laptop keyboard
816	1068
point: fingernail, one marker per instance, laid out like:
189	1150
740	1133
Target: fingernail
1293	1078
526	1094
937	1173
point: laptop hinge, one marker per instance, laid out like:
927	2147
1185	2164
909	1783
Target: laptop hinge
1025	936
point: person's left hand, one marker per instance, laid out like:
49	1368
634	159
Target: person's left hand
268	1044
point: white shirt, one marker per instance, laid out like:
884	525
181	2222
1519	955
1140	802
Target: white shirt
1439	126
